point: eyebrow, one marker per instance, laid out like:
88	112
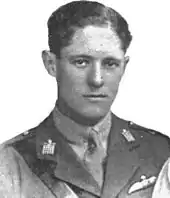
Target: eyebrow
74	56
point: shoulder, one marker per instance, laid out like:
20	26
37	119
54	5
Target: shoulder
25	143
148	133
157	141
8	148
11	164
142	133
147	141
11	157
25	136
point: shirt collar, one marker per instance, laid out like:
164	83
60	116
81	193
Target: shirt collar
76	133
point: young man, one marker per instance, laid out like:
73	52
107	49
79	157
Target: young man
82	149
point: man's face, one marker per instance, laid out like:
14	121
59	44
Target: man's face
90	70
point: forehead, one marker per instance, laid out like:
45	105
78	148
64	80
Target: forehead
95	41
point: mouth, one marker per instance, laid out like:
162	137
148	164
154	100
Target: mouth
95	97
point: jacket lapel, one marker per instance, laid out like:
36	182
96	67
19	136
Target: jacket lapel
122	161
66	165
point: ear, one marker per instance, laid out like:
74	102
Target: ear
126	60
50	62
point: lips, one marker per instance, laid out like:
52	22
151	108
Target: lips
95	96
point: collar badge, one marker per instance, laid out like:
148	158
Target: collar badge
48	148
128	135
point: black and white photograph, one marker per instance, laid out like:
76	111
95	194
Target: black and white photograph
85	99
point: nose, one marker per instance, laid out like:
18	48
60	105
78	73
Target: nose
95	79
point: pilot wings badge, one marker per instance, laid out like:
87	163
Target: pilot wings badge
142	184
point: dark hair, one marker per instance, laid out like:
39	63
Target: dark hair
63	23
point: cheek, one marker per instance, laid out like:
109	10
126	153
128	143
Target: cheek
113	80
71	82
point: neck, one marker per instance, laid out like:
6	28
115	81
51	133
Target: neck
76	117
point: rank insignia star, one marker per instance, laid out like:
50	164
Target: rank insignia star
48	148
142	184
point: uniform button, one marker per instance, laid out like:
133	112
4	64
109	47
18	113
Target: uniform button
26	132
131	123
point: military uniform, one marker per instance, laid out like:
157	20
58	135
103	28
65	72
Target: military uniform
40	163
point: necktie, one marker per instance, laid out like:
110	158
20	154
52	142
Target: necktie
94	156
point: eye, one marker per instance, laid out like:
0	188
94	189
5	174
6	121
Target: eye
81	62
111	63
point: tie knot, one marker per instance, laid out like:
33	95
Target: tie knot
91	145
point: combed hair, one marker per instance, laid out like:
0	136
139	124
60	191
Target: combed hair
63	23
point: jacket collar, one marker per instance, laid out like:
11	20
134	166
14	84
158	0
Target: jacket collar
76	133
121	163
122	159
67	166
129	156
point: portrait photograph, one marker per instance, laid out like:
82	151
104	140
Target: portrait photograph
85	99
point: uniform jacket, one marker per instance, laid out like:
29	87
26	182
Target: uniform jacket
134	159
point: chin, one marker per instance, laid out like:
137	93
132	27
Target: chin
94	113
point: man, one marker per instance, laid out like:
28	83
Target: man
82	149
